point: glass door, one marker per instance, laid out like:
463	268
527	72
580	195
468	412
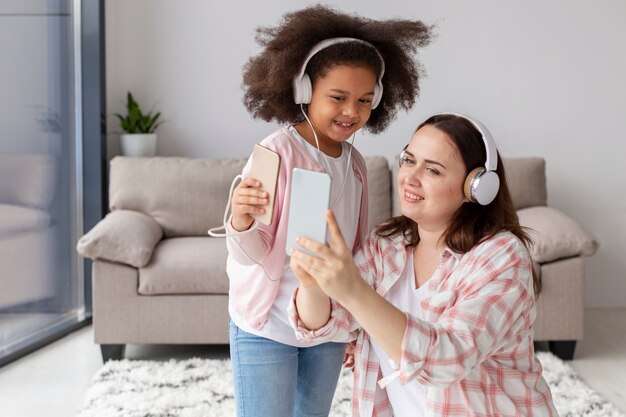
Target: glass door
41	278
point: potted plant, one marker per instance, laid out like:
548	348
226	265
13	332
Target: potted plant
139	138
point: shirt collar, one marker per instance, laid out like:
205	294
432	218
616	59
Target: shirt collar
400	244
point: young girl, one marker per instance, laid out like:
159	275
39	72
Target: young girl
326	75
442	298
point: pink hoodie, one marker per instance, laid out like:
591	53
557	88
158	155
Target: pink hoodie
252	295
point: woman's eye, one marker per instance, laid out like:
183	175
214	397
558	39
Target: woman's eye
405	160
432	171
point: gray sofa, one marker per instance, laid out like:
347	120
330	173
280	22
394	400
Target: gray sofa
159	279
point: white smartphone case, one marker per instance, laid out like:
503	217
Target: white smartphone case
308	202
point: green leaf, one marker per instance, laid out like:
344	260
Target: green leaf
135	121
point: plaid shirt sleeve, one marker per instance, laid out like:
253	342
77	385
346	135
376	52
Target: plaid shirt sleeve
340	327
341	324
480	306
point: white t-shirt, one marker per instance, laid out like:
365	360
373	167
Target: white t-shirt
346	209
408	400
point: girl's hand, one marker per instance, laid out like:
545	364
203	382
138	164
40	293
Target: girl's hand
332	268
248	198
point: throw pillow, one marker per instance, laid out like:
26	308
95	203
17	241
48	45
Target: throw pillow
123	236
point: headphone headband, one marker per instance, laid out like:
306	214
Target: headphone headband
482	184
491	163
333	41
302	89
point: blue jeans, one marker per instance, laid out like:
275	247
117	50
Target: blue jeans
272	379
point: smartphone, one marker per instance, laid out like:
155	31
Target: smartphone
265	166
308	202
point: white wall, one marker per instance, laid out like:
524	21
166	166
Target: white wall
547	78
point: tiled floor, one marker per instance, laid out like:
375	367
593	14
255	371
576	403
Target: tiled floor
51	382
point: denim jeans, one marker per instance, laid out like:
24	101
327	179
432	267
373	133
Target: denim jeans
272	379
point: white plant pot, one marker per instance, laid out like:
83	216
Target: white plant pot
138	144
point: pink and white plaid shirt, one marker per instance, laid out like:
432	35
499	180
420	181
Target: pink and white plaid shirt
473	350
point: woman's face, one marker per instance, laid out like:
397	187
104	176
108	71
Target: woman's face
430	180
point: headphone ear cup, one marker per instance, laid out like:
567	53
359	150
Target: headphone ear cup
469	182
378	94
307	89
302	89
481	186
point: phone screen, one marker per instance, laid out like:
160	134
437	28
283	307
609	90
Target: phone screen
308	202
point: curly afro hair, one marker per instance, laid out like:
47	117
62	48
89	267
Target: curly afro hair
267	77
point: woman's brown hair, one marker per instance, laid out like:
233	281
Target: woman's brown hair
472	222
267	77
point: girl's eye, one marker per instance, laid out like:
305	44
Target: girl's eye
365	101
338	98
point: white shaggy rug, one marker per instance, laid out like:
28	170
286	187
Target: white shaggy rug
203	388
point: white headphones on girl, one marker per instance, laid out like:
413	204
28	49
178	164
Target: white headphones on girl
302	87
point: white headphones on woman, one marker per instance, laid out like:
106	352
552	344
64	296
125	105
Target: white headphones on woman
302	87
482	183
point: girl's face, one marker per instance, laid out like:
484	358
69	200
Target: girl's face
341	104
430	180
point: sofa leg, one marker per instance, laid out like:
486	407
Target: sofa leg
564	349
112	352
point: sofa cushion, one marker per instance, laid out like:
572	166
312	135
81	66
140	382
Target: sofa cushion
186	196
379	190
186	265
555	235
526	178
17	219
123	236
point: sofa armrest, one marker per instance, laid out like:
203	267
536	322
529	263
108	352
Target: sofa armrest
123	236
555	235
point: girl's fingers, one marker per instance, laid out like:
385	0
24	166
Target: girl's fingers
244	208
251	182
244	199
251	192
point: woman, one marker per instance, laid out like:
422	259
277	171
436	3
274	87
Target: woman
442	298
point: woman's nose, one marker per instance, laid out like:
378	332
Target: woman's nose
412	176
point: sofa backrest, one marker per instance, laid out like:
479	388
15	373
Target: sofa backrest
526	178
186	196
379	195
